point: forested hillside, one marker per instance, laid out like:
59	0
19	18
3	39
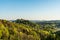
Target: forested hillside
26	30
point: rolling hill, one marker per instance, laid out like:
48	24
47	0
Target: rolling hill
21	29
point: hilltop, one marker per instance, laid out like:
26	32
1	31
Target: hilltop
21	29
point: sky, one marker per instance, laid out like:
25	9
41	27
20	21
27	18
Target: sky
30	9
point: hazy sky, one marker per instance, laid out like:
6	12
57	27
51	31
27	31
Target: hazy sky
30	9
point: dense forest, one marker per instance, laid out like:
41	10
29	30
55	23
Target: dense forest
21	29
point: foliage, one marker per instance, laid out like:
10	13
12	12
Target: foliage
26	30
